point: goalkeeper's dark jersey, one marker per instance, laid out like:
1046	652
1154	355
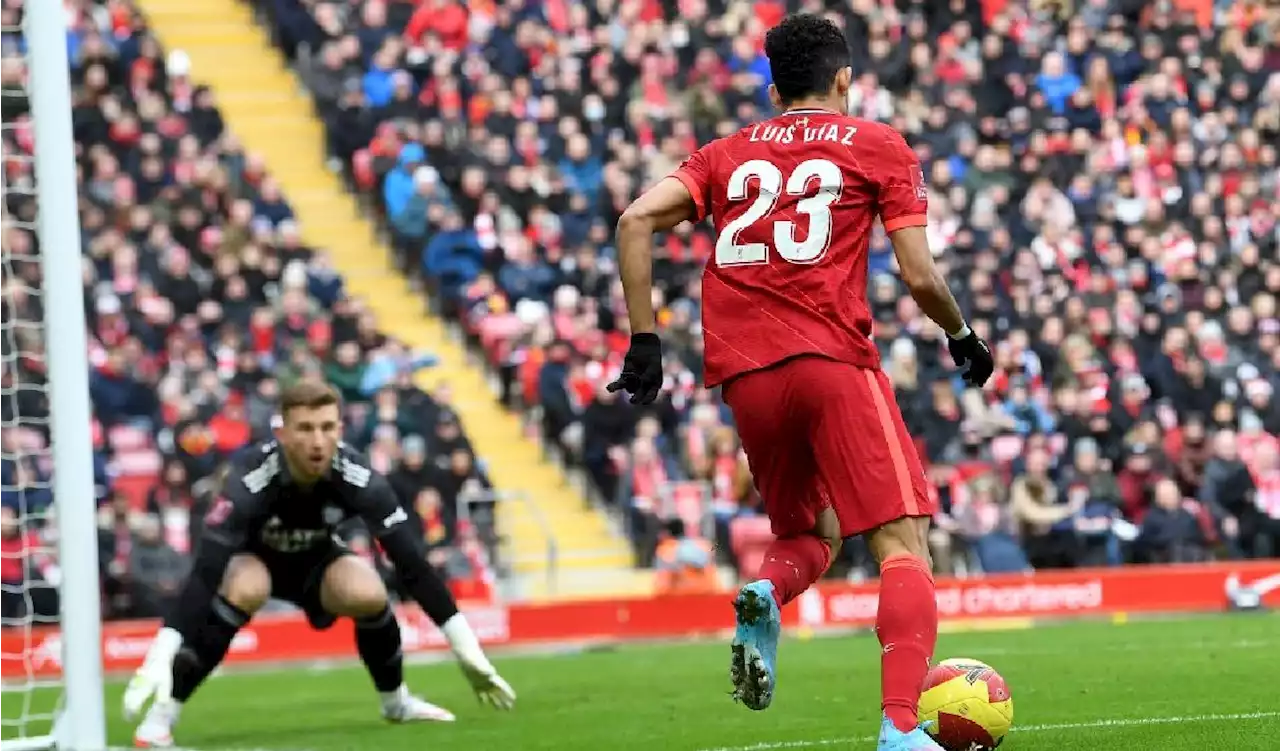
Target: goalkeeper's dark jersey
262	510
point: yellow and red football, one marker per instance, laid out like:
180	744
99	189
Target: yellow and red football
966	705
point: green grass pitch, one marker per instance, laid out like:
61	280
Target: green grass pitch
1195	683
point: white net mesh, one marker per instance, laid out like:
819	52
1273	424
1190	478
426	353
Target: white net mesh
28	556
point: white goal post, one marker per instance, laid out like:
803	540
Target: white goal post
79	721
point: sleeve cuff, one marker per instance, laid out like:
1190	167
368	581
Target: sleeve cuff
695	192
910	220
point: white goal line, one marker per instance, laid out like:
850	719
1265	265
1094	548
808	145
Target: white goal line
1123	722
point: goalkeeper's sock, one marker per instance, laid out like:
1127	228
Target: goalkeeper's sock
205	651
465	643
378	642
393	698
907	626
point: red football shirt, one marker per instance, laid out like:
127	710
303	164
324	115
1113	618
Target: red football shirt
793	200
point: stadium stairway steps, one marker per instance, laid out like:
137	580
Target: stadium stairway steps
264	106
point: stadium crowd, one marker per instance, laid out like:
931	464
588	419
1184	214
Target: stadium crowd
203	301
1103	196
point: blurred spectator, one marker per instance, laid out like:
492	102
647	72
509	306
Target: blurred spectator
1094	488
116	538
642	493
157	570
684	565
1046	520
986	524
1228	490
1136	479
1170	532
413	473
171	503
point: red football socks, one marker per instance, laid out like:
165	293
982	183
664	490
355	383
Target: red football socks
792	564
907	626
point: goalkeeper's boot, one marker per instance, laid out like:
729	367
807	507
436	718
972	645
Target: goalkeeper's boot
402	706
893	739
755	645
156	728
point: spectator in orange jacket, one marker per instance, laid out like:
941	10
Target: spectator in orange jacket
685	565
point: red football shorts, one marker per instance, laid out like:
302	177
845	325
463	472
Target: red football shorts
823	433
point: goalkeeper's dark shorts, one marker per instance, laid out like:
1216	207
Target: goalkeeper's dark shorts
296	578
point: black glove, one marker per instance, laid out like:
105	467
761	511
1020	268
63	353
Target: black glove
972	351
642	369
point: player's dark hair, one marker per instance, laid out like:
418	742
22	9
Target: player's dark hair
805	53
308	393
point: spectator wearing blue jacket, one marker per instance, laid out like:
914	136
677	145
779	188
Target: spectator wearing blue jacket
398	188
746	59
1027	415
379	82
453	256
117	396
1056	82
525	276
271	204
582	171
393	360
430	196
323	282
576	222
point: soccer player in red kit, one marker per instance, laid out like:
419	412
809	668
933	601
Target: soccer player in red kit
788	337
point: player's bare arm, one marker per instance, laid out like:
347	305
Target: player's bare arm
661	208
929	289
923	279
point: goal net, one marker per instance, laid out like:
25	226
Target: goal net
49	629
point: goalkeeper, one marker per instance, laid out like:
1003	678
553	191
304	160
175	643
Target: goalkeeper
270	533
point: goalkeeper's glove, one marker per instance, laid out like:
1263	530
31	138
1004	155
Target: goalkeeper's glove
490	688
641	369
155	678
967	349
